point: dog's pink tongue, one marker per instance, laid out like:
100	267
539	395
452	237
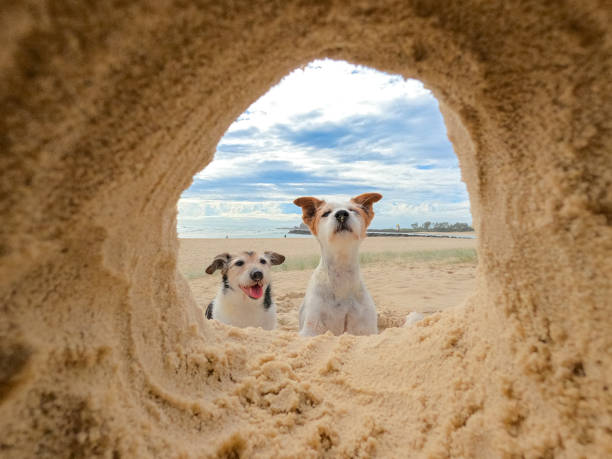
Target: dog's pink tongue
255	291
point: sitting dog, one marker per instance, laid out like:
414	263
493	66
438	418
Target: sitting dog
245	296
336	298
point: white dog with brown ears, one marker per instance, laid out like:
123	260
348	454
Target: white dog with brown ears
336	298
245	296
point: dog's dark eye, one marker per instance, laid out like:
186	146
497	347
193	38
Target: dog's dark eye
353	210
262	261
239	263
326	213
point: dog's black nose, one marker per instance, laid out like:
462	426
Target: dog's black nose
256	275
342	215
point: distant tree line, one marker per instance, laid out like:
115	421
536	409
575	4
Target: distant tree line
443	227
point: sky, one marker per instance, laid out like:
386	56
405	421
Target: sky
332	130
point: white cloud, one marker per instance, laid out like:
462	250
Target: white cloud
195	209
341	88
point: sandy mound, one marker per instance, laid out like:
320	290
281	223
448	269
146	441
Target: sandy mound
108	110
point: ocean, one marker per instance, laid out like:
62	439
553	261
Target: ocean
235	230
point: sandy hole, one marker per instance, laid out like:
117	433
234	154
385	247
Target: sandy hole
426	275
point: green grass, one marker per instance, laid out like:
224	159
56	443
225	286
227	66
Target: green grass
298	263
446	256
301	263
450	256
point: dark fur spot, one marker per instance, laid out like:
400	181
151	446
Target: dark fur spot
209	311
268	298
226	284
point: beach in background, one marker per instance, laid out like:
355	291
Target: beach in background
261	228
402	274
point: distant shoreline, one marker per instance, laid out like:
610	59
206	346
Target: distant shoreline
382	233
300	233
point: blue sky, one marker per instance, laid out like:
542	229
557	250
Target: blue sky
332	130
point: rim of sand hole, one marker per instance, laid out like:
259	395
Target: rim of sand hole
112	110
393	323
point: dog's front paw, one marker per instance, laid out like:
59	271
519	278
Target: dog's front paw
413	318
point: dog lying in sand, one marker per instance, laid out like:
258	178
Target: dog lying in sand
245	296
336	298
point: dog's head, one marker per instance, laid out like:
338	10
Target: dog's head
334	222
248	272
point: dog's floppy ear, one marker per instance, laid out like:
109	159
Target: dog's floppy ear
219	262
309	207
366	200
275	258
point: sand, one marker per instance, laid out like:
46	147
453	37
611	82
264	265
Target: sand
397	286
108	109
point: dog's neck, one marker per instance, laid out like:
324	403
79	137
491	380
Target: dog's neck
340	264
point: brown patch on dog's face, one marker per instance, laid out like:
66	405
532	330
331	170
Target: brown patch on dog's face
219	262
311	208
365	207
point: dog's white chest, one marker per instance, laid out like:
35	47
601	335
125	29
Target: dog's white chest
338	302
235	312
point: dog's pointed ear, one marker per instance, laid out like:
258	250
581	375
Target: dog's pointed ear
275	258
309	207
219	262
366	200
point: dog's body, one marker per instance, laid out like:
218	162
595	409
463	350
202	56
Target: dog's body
336	298
245	296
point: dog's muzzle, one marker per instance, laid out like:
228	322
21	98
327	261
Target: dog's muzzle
341	218
254	291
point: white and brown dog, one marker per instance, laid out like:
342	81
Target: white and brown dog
336	298
245	296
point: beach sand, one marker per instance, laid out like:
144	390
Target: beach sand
402	274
